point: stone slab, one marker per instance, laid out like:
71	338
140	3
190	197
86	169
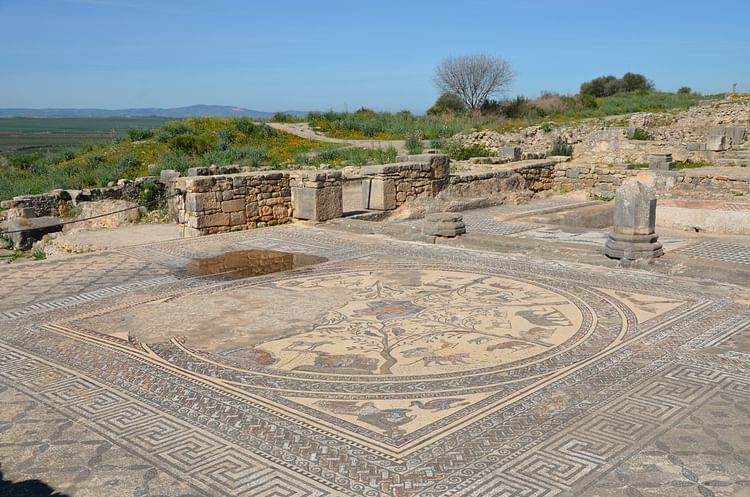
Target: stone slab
317	204
25	231
378	194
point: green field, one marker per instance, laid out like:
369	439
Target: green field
53	134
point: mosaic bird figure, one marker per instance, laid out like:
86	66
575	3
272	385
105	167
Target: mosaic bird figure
438	404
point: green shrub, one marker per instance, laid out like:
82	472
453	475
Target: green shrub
177	161
139	134
546	127
457	151
413	143
173	129
437	143
150	194
561	147
606	86
685	90
283	117
224	138
264	131
447	103
245	125
640	134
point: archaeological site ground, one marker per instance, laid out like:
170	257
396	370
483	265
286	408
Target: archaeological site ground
554	310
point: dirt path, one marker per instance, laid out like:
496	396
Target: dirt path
303	130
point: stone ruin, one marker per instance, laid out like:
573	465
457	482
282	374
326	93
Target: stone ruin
634	234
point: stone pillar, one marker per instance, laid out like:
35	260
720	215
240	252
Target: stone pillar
634	235
447	224
378	194
317	196
661	162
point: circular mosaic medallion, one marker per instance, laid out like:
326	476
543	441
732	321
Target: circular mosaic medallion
423	322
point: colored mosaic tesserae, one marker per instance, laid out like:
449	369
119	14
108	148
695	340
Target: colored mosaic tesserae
349	365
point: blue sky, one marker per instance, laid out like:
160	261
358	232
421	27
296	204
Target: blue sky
330	54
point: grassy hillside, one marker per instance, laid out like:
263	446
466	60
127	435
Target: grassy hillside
508	115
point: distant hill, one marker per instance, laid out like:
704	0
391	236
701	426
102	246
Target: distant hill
178	112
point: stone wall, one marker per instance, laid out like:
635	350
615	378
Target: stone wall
414	176
696	183
235	202
534	175
58	203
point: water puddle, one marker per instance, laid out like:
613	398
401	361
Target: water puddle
248	263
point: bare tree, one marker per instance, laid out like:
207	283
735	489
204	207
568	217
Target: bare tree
473	77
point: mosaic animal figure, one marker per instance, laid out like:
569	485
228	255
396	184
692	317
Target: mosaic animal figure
385	419
436	405
445	360
543	318
348	407
302	346
512	345
415	352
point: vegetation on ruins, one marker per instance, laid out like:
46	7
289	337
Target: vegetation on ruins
349	156
640	134
413	143
561	147
474	78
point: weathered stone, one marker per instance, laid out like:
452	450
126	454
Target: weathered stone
209	221
444	224
512	153
378	194
198	202
23	232
661	162
235	205
716	143
317	204
237	218
634	235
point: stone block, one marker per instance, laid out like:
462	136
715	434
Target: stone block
30	230
661	162
444	224
317	204
716	143
167	176
378	194
237	218
511	153
235	205
252	210
209	220
199	202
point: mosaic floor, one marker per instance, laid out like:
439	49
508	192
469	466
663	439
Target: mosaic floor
386	369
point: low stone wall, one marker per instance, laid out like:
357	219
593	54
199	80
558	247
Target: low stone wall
697	183
414	176
58	203
235	202
534	175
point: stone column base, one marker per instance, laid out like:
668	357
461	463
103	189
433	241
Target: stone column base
443	224
633	247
